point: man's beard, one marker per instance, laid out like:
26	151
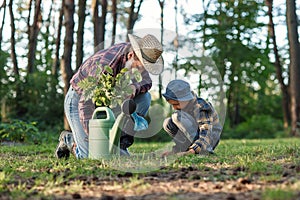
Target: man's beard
129	63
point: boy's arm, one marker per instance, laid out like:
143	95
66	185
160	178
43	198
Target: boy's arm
202	143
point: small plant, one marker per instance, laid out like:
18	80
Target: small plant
19	131
107	90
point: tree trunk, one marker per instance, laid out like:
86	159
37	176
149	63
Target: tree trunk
293	37
20	110
133	16
66	68
161	4
103	20
99	24
33	30
278	67
80	33
2	23
114	14
58	39
13	41
95	18
176	42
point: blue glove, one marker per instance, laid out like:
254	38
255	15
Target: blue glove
140	123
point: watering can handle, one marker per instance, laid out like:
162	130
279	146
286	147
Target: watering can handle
109	113
128	106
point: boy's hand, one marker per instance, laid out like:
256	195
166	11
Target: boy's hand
190	151
167	153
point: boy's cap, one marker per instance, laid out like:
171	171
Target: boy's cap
178	90
148	49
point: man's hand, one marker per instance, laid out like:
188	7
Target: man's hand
132	95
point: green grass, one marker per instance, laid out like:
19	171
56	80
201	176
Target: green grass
33	171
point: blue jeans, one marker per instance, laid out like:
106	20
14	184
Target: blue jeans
183	128
142	101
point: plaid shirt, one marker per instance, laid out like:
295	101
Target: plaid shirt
209	128
115	57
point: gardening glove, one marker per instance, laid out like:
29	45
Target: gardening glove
140	123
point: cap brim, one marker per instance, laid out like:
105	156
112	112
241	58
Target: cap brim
185	98
153	68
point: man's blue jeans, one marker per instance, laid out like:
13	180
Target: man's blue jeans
142	101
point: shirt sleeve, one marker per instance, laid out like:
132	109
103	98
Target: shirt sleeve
209	131
144	85
203	142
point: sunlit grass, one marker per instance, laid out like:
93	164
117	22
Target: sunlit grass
33	170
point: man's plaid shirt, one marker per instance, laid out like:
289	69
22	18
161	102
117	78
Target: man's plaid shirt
115	57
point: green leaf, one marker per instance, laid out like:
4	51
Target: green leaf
108	69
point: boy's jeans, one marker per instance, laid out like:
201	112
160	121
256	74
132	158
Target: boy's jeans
183	128
72	113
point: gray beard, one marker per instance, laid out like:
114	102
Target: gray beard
128	64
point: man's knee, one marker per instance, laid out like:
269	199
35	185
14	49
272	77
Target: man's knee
143	102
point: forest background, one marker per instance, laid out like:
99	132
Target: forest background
42	43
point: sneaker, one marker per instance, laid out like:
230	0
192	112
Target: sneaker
65	145
124	152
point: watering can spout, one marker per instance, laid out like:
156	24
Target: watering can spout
128	107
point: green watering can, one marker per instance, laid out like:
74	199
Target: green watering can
105	130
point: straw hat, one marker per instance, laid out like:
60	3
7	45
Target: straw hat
148	49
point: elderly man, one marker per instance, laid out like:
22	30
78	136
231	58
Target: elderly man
143	54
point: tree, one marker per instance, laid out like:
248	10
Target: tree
33	30
66	68
13	41
161	5
293	38
3	6
99	23
56	62
114	14
133	15
277	64
227	29
80	32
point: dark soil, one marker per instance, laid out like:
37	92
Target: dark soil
186	183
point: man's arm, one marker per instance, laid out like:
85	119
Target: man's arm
144	85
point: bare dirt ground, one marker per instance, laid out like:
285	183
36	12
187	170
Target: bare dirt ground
188	183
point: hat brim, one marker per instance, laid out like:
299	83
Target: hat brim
185	98
153	68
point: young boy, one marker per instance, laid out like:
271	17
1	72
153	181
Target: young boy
194	126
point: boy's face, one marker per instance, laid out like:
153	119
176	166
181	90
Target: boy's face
178	105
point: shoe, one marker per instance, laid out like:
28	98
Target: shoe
65	145
124	152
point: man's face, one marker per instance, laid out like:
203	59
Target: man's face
134	62
178	105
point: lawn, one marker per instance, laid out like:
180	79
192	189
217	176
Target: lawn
240	169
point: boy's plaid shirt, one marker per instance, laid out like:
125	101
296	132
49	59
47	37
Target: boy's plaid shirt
209	127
